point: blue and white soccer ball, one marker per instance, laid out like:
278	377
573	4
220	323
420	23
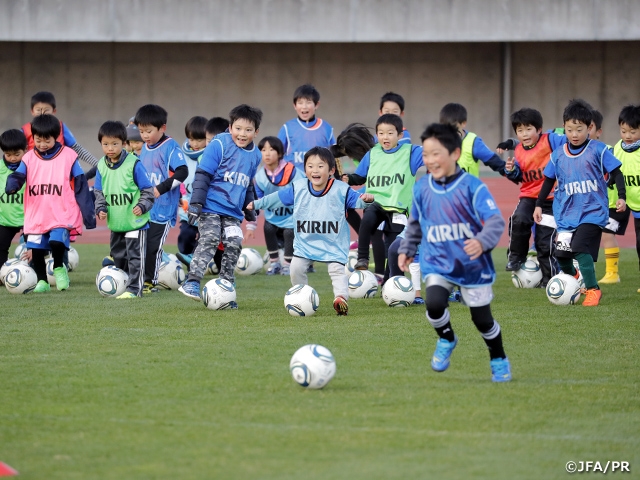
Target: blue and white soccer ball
249	262
20	278
363	284
301	301
20	249
352	259
74	259
212	268
563	289
50	277
219	294
111	281
171	275
398	292
312	366
528	276
12	262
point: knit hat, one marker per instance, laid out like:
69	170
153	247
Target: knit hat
132	132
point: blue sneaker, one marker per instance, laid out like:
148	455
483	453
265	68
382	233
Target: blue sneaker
274	268
185	259
108	260
286	270
311	269
500	370
418	301
233	305
191	288
455	296
444	348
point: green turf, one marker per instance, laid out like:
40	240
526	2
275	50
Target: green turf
94	388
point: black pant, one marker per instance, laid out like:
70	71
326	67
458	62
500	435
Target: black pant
636	225
373	216
7	235
271	234
156	236
520	225
129	254
188	238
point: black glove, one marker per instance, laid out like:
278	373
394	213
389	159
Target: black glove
249	215
195	209
507	145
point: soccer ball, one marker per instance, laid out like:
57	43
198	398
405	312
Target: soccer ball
50	277
301	301
312	366
219	294
171	275
363	284
74	259
20	249
212	268
528	276
111	281
563	289
398	292
12	262
352	259
266	259
249	262
20	278
576	265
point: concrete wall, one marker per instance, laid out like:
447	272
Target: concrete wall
318	20
94	82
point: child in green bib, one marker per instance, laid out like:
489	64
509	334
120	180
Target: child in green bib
13	144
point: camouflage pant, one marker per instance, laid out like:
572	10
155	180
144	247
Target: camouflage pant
212	228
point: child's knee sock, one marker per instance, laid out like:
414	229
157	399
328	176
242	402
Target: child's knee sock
442	326
612	256
566	265
39	264
489	329
588	270
57	252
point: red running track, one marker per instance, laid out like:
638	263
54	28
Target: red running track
504	192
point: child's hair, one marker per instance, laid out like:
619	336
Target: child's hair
216	125
630	115
275	143
597	118
195	128
390	119
445	133
354	142
392	97
323	153
525	117
133	134
114	129
43	97
245	112
153	115
453	113
306	91
578	110
45	126
13	140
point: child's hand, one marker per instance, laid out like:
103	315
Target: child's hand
156	193
367	197
621	205
537	214
250	234
249	206
510	164
102	215
137	211
345	178
473	248
404	262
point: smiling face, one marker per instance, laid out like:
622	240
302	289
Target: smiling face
629	134
305	108
112	147
270	156
243	132
439	162
528	135
43	144
388	136
151	134
318	172
577	132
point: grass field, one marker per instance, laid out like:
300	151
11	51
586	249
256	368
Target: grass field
94	388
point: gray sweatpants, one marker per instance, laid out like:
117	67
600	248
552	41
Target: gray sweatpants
339	278
128	250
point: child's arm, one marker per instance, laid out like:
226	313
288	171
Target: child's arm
178	166
512	170
416	161
508	144
481	152
283	197
205	172
545	190
83	196
409	244
147	197
612	165
359	177
357	200
492	225
283	135
16	180
83	154
101	202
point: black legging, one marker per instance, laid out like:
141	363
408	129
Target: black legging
271	233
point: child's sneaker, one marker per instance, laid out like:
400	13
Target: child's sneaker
42	286
354	246
185	259
311	268
361	264
62	278
500	370
191	288
418	301
126	295
379	278
455	296
108	260
341	306
149	288
274	268
592	298
444	348
610	277
286	270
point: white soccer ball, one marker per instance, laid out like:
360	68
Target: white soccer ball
171	275
20	279
528	276
12	262
74	259
111	281
533	258
50	277
172	257
249	262
398	292
20	249
352	259
212	268
563	289
301	301
312	366
363	284
219	294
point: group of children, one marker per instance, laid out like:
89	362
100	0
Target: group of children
214	182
